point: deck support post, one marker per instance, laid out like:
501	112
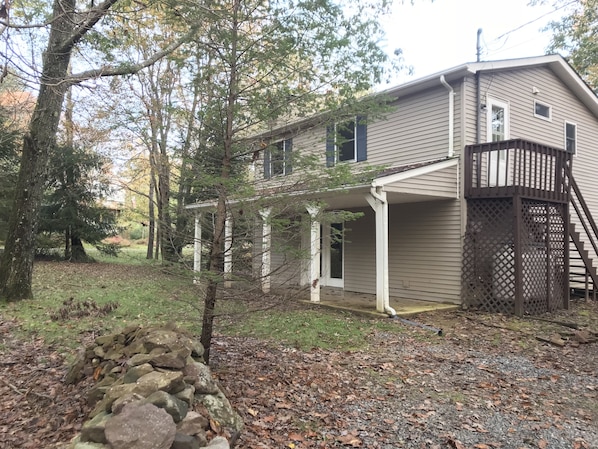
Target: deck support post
197	247
266	248
314	252
378	201
518	256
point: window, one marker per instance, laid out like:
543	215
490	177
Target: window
277	159
497	120
571	137
497	129
346	142
542	111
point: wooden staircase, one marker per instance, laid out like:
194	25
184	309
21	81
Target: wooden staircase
583	275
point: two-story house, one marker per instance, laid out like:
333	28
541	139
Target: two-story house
485	167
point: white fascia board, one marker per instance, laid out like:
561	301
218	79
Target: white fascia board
397	177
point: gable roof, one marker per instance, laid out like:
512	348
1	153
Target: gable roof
556	63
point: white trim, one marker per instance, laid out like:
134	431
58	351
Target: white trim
266	248
378	201
325	278
197	246
314	253
565	123
490	101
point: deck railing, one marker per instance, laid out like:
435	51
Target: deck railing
516	167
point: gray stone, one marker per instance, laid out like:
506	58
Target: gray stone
93	430
168	360
140	426
105	340
220	410
195	425
198	375
135	372
160	338
90	445
218	443
119	403
115	353
187	395
169	381
112	395
139	359
174	406
99	351
182	441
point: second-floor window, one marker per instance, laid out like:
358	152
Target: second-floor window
346	142
571	137
277	159
497	123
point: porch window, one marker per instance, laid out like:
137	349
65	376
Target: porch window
571	137
346	142
278	159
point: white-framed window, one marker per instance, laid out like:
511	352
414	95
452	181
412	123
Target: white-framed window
570	131
497	129
346	141
497	120
542	110
278	159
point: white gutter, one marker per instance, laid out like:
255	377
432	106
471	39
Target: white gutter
451	150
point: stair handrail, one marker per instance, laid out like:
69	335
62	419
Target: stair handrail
587	214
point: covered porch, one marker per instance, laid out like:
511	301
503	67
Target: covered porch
422	183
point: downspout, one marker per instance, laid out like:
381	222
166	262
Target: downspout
387	309
478	123
451	149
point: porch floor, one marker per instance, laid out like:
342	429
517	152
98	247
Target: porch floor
365	304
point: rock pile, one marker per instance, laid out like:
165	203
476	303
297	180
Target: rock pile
153	391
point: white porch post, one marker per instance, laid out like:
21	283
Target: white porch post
197	247
228	251
314	253
378	202
266	248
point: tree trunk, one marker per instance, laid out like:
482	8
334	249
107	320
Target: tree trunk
151	228
78	253
17	264
216	271
216	268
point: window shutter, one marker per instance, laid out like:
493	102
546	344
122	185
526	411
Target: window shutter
330	149
267	174
288	156
361	138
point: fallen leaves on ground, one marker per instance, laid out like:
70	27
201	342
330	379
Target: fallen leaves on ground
478	387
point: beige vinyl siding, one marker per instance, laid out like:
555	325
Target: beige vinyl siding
360	253
285	256
438	183
470	111
424	252
416	131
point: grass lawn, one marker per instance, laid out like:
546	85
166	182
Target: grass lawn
74	302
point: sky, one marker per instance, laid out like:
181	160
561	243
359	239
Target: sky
438	35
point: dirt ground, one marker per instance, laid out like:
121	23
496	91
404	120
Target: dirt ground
488	382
